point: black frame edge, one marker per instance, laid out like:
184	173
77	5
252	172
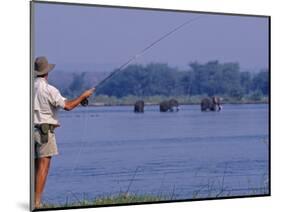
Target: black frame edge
146	8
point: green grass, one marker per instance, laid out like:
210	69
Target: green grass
124	198
135	198
127	198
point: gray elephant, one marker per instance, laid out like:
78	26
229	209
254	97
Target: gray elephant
211	104
169	106
139	106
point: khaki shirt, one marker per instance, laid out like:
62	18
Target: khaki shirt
47	102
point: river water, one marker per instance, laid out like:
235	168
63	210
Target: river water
185	155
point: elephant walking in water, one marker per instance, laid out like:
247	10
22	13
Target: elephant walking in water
169	106
139	106
212	104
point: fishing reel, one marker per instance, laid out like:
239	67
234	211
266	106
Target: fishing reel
85	102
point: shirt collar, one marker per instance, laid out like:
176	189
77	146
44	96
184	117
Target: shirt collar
42	79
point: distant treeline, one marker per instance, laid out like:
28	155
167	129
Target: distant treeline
155	79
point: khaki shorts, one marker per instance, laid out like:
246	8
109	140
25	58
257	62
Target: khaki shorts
47	149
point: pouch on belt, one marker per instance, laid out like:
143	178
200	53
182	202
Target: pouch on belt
44	132
44	128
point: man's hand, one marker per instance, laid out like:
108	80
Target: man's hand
70	104
88	93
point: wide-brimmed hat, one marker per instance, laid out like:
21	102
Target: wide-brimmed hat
41	66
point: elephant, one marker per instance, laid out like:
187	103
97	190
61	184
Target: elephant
211	104
139	106
171	105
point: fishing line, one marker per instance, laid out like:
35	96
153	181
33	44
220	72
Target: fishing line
77	158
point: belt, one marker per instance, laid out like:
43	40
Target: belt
51	127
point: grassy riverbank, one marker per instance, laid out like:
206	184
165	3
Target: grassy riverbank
104	100
212	188
206	191
125	198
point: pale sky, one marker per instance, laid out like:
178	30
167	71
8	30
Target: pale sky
100	39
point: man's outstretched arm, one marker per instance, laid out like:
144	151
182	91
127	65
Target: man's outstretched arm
70	104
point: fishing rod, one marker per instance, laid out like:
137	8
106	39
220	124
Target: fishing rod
85	102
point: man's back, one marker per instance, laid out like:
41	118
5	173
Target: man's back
47	101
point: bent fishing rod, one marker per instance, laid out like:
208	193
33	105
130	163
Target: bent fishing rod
85	102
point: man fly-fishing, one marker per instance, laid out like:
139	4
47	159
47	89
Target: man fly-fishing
47	102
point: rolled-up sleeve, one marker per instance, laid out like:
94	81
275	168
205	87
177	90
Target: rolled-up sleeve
56	99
